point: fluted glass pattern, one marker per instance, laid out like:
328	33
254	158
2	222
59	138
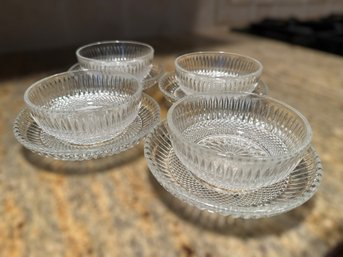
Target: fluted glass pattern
84	107
31	136
238	141
171	90
125	56
217	72
294	190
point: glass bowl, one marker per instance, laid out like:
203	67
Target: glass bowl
172	92
125	56
84	107
240	141
217	72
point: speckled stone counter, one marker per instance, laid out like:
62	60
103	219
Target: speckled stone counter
114	207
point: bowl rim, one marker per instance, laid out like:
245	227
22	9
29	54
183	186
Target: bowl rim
256	73
99	43
303	147
35	107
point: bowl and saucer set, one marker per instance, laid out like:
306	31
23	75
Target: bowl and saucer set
94	110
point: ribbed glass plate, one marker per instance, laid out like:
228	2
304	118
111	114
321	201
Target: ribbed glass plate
278	198
171	90
149	81
31	136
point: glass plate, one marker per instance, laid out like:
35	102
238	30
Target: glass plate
149	81
275	199
172	92
31	136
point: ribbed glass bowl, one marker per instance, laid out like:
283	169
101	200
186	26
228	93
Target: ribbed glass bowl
172	92
84	107
217	72
239	141
125	56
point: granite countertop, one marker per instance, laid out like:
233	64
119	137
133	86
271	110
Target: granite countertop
114	207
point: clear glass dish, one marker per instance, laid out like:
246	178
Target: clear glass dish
172	91
32	137
84	107
239	141
211	72
124	56
149	80
293	191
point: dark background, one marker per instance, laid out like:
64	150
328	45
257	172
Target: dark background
49	24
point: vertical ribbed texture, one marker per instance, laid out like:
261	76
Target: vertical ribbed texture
85	107
238	142
217	72
171	90
129	57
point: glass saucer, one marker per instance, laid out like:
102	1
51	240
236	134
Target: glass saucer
31	136
149	81
172	92
275	199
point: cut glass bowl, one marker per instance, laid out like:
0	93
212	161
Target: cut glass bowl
239	141
125	56
32	137
172	91
298	187
210	72
84	107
